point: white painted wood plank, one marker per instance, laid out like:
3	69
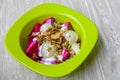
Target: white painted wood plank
104	61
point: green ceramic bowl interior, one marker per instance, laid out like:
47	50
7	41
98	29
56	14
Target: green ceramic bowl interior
16	38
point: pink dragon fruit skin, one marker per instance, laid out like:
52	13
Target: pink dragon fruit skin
35	29
45	61
30	39
65	54
49	20
32	48
67	24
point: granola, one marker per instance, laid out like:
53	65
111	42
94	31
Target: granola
52	42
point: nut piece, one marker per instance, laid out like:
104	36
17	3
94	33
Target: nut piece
35	33
66	44
58	46
57	35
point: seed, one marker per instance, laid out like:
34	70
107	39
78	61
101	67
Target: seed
66	44
54	24
58	46
58	22
69	46
72	52
59	51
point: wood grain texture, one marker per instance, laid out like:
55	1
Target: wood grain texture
104	61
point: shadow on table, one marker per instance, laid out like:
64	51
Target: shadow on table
90	59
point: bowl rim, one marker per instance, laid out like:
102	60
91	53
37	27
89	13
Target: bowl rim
51	70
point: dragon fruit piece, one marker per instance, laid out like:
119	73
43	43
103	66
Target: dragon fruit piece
50	60
66	25
49	20
71	36
46	24
76	47
32	48
65	54
36	27
30	39
45	27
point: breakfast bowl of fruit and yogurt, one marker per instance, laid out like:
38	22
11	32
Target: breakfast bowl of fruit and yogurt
51	39
52	42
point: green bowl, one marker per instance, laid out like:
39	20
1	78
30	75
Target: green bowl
16	38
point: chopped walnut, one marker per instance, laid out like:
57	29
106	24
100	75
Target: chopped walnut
57	35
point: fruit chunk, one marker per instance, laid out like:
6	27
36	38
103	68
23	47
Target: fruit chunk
75	47
49	20
65	55
45	27
66	25
71	36
50	60
46	24
32	48
47	50
35	29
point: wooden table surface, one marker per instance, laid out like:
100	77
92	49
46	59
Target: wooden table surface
103	63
